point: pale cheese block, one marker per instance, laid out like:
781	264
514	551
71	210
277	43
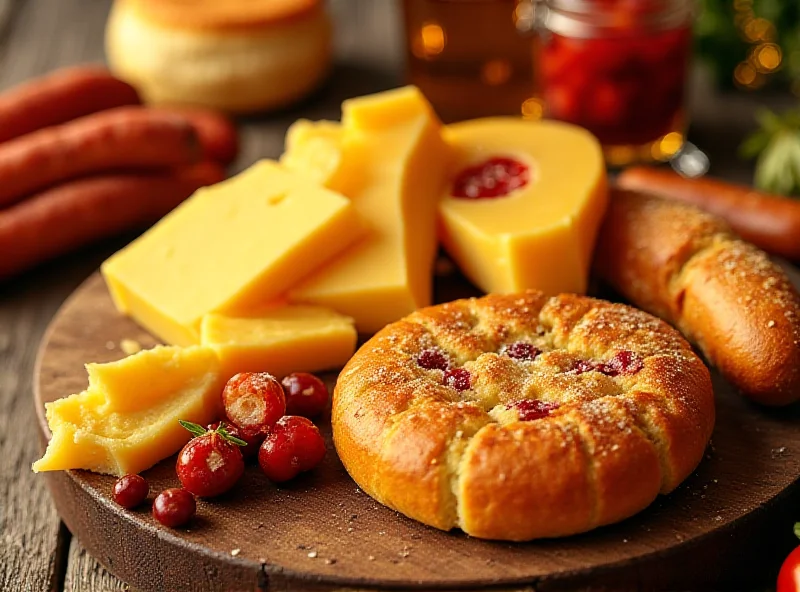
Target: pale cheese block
314	148
540	235
389	158
229	248
281	341
127	419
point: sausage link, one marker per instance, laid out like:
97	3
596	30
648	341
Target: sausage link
81	212
216	132
59	97
770	222
118	139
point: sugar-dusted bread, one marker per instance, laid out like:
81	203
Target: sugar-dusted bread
554	416
724	294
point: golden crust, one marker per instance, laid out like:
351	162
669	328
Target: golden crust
221	15
725	295
464	459
242	69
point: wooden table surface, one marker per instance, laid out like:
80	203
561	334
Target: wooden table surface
37	553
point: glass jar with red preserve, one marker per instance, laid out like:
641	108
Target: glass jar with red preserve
618	68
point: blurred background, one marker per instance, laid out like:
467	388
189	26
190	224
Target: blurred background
637	73
640	74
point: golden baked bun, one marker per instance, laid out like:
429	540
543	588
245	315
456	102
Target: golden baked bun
555	416
687	266
238	56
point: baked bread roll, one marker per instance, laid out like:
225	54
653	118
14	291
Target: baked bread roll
725	295
238	56
519	416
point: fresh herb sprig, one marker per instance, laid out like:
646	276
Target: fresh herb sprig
198	430
776	145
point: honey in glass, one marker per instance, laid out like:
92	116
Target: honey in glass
469	57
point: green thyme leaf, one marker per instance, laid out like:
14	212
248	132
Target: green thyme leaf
222	431
196	430
232	439
797	529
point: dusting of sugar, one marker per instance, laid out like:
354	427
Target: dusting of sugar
565	333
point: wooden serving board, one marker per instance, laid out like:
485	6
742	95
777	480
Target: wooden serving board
321	532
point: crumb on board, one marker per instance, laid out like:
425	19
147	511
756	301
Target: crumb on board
235	552
130	346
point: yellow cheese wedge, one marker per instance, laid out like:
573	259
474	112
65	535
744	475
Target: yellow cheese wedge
540	235
281	341
231	247
390	159
127	419
314	148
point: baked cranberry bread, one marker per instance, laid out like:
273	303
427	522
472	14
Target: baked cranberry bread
725	295
519	416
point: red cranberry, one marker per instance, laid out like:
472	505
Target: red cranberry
211	463
131	490
253	402
496	177
521	351
174	507
530	409
293	445
306	394
458	378
624	362
581	366
433	359
253	442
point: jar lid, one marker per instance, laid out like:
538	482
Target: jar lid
590	18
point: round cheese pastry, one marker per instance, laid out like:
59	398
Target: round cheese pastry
238	56
518	416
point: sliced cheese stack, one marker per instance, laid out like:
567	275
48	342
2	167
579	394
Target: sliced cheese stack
127	419
230	248
388	156
281	341
541	234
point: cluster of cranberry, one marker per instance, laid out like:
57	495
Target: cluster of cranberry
460	378
256	407
624	362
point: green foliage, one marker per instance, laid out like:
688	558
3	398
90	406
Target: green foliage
721	43
776	145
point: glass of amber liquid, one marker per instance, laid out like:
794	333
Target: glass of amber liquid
471	58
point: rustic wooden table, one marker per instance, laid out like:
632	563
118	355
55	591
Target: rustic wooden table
37	552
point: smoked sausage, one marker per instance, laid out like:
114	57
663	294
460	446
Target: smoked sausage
80	212
59	97
770	222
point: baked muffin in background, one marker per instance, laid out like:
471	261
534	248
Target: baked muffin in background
239	56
